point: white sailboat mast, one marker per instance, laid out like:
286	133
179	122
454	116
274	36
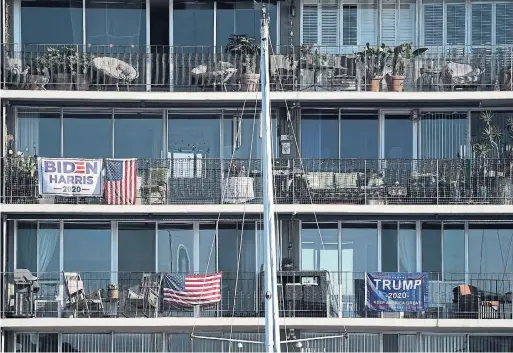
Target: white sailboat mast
272	327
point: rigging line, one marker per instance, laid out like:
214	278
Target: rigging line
223	194
243	225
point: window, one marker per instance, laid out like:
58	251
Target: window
87	250
88	135
241	17
138	135
503	23
398	136
192	24
327	24
319	134
319	247
359	135
194	133
443	250
444	135
434	26
182	250
115	23
136	249
38	248
398	23
398	247
489	249
432	249
39	132
55	22
242	136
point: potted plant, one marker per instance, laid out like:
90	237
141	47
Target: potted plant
314	61
21	175
244	47
373	60
401	56
80	65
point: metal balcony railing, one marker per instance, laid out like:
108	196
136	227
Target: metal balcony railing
332	294
296	68
317	181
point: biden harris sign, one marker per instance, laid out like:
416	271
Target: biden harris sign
396	291
70	176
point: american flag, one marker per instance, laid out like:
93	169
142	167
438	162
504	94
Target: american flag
120	181
189	290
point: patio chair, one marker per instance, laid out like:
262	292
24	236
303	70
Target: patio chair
143	299
77	300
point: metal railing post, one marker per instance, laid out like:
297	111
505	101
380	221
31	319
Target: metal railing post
437	184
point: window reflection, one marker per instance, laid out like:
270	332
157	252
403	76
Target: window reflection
490	249
359	135
454	251
53	22
431	234
136	249
87	250
398	247
39	133
193	23
319	134
87	135
138	135
194	134
398	137
116	23
247	144
175	248
242	17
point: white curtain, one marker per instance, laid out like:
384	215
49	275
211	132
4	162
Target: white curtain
48	242
407	251
27	135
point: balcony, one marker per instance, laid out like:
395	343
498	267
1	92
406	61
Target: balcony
330	295
305	68
306	181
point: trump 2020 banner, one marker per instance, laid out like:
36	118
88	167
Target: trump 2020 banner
391	291
70	176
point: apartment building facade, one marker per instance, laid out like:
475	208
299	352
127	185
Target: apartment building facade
392	145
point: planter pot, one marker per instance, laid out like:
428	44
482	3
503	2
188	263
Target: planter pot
376	84
81	82
250	82
37	82
397	83
63	82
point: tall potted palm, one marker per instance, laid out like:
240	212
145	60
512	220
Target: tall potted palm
373	60
243	47
401	57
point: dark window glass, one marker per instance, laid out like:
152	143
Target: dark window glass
138	135
88	135
136	248
242	17
319	134
116	23
398	136
26	247
50	22
359	135
87	250
432	249
192	24
389	247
